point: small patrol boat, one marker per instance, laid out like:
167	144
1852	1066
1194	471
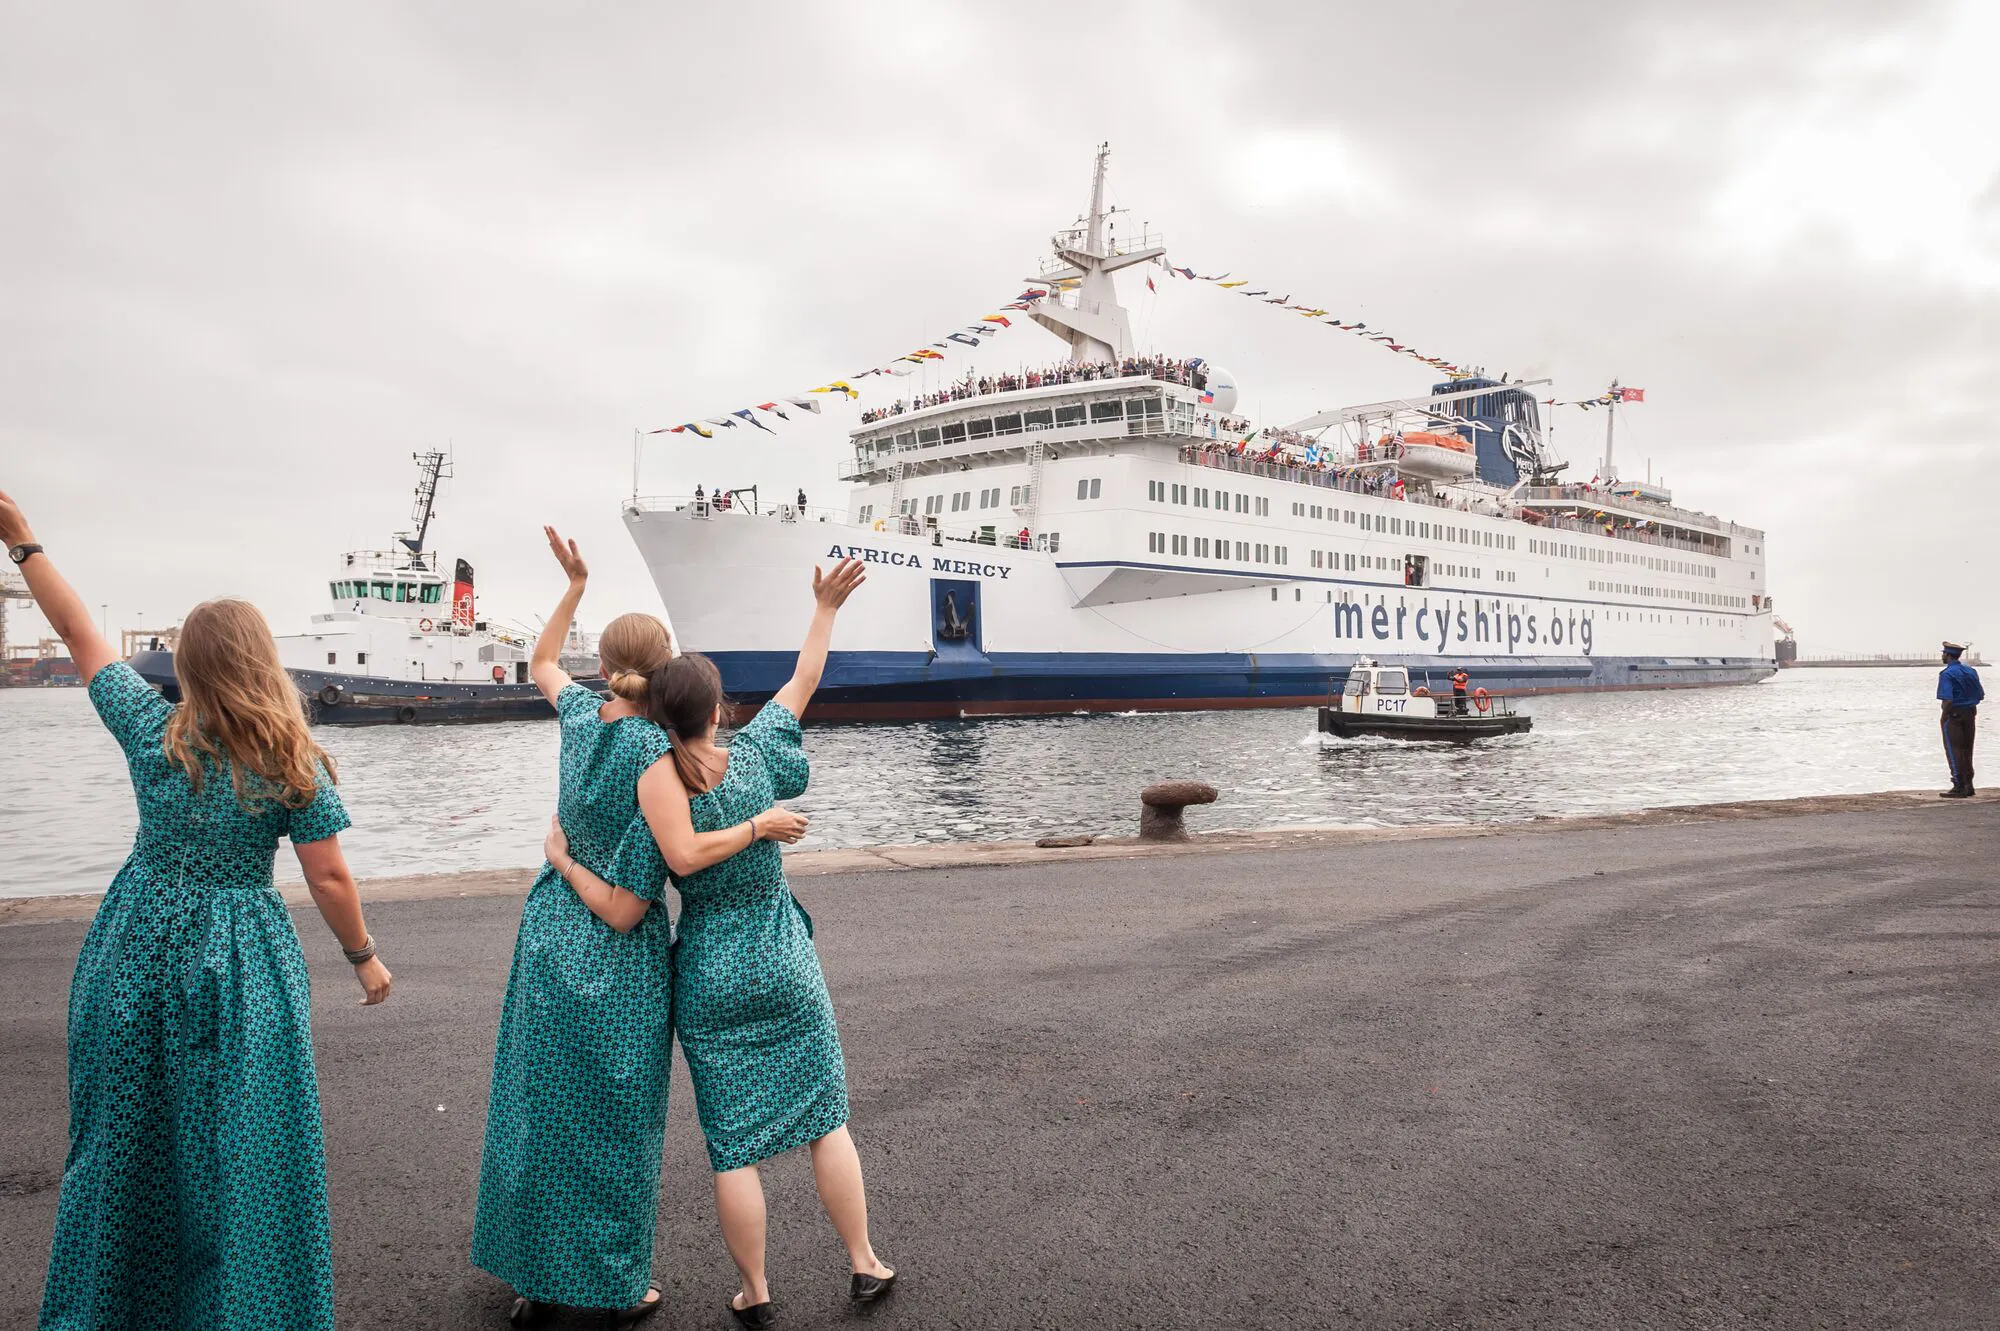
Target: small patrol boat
399	642
1380	700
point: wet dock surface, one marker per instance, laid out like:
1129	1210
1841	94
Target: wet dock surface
1709	1075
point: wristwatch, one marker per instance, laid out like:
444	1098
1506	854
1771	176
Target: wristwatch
19	553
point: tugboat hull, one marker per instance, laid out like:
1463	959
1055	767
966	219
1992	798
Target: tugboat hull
351	700
1454	729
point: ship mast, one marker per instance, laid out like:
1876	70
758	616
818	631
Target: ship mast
431	467
1610	421
1095	326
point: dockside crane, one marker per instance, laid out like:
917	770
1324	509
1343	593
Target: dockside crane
12	589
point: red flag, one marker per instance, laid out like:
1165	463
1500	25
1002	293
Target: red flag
1150	286
1631	395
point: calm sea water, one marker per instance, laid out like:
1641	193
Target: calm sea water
434	798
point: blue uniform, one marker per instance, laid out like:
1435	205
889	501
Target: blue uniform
1961	693
1958	684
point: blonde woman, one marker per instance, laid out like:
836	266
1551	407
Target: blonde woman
194	1195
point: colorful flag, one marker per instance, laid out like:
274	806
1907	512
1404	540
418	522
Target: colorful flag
966	338
745	414
1240	282
691	425
1631	395
772	407
805	403
1000	319
838	386
1149	284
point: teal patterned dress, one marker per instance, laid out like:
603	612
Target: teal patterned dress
570	1178
750	1003
194	1195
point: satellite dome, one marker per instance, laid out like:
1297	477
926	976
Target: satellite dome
1219	387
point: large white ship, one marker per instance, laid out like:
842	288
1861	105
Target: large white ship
1111	533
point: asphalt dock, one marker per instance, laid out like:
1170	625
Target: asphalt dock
1694	1071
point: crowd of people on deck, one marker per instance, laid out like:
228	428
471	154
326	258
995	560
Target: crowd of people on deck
194	1192
1192	373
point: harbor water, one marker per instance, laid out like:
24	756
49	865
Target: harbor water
430	799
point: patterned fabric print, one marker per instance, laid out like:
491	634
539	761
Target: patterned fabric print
194	1195
750	1003
571	1173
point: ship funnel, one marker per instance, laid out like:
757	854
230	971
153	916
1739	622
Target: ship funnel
461	596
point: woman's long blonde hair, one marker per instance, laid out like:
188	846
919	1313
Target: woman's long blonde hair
240	709
629	650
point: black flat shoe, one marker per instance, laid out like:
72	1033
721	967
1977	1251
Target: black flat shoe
526	1312
644	1308
756	1315
867	1289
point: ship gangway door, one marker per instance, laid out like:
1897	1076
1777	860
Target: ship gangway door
958	628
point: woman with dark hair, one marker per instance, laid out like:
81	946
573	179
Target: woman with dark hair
194	1195
750	1004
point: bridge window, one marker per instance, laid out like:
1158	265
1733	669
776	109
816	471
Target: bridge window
954	433
1007	424
980	429
927	437
1107	411
1038	420
1069	416
906	441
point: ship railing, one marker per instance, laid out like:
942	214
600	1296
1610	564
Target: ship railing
705	508
1587	494
1379	485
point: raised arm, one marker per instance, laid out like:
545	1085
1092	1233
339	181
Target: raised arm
664	801
543	665
829	594
55	598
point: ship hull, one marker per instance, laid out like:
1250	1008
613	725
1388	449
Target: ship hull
337	699
866	686
1043	633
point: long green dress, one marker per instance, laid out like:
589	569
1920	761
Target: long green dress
194	1195
570	1178
750	1004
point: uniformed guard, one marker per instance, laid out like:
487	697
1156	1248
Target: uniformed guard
1959	695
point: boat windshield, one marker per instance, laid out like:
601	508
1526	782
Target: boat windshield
1356	686
1392	682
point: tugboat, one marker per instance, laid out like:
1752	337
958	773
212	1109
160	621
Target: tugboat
400	644
1379	700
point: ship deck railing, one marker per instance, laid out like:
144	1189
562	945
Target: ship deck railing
898	524
1376	484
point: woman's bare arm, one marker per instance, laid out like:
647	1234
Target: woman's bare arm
664	801
616	906
544	664
829	594
339	904
55	598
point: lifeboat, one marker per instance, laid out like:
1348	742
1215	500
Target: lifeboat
1431	456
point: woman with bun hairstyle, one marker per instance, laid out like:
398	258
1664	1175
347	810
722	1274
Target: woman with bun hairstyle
571	1168
194	1193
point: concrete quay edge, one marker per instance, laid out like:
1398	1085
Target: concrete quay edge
972	854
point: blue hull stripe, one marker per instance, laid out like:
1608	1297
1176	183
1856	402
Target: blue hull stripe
882	678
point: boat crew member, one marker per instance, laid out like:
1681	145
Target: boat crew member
1460	685
802	499
1025	541
1959	695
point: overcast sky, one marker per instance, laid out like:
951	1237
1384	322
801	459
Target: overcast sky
257	255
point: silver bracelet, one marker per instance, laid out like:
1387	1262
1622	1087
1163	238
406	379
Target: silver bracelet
366	952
